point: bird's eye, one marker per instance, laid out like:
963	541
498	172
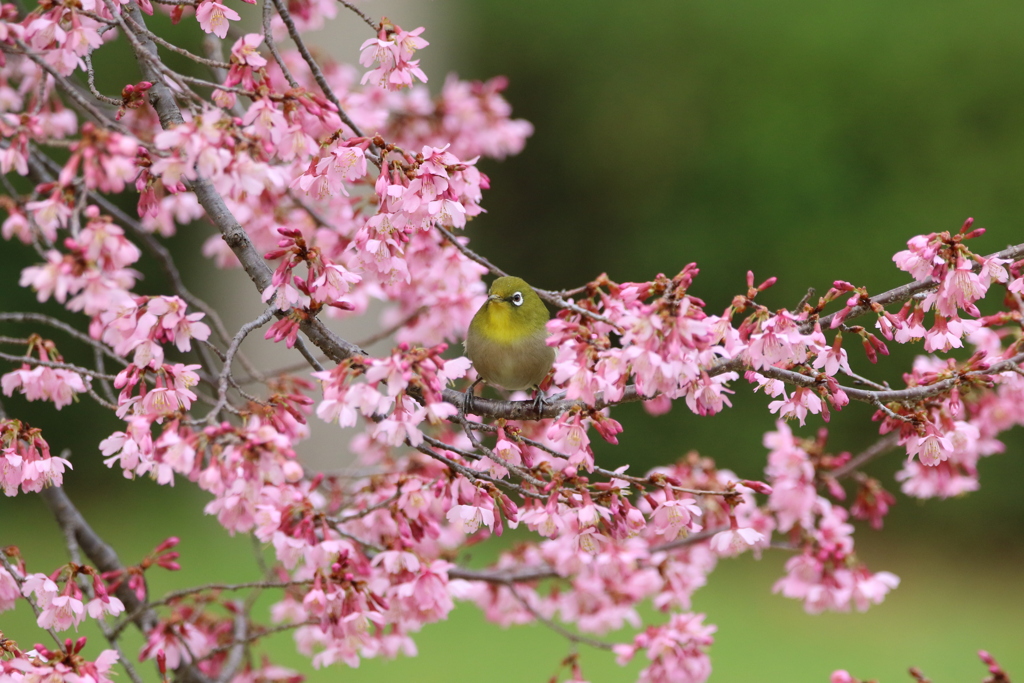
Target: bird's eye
517	299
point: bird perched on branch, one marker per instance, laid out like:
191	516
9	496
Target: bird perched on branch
506	339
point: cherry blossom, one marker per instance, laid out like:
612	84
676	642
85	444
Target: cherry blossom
213	17
392	50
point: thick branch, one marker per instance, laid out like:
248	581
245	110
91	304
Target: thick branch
106	560
97	550
209	198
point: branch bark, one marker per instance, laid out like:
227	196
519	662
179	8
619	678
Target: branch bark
105	558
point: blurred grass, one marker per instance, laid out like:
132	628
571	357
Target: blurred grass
950	604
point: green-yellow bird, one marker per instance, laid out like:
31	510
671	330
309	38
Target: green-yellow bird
506	339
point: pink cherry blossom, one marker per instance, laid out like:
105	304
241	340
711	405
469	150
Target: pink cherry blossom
213	17
9	592
677	651
673	517
392	50
63	612
44	383
469	518
734	541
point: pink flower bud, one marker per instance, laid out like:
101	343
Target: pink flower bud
758	486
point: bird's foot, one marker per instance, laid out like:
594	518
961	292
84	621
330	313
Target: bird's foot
539	402
467	399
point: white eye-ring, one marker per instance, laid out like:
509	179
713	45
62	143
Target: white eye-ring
517	299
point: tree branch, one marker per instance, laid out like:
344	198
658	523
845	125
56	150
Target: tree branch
97	550
902	293
877	449
318	74
106	560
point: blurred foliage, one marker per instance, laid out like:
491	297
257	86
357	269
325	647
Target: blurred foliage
801	139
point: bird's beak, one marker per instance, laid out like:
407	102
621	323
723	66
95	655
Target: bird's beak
493	297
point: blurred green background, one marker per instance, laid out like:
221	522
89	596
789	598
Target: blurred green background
800	139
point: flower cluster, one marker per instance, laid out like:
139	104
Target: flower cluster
94	275
63	608
66	664
25	459
326	282
826	575
677	651
392	52
664	336
43	382
144	325
963	278
391	394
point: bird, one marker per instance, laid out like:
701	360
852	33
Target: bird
507	339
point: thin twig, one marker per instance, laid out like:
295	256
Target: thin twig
69	89
689	540
263	633
865	381
553	298
521	471
904	292
308	355
180	50
877	449
29	360
19	317
91	77
361	15
471	473
186	592
910	419
318	74
807	297
268	38
554	626
506	575
225	371
101	366
366	511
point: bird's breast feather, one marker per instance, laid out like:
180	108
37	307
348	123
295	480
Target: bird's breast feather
502	324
